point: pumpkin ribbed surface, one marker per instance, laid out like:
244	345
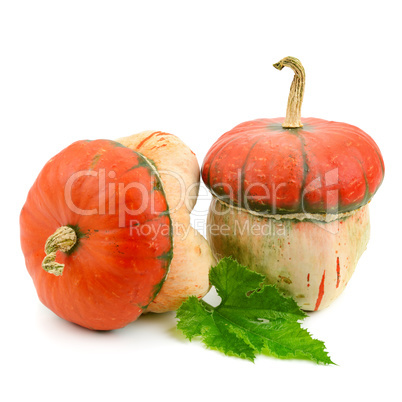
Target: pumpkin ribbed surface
322	167
114	200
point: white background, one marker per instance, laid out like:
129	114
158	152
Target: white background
85	70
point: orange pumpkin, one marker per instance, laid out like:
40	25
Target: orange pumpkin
290	198
101	210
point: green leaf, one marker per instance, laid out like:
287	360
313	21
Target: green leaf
193	318
251	319
243	292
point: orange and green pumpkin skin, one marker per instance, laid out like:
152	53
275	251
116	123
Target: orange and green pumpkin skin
115	269
323	167
292	204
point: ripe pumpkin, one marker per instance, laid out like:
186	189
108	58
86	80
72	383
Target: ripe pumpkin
192	256
97	270
303	186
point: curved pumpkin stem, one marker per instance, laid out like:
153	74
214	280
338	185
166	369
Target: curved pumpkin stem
63	239
295	100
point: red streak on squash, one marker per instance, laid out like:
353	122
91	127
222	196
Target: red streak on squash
146	139
320	292
308	280
338	272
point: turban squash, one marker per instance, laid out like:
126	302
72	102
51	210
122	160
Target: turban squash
290	198
98	232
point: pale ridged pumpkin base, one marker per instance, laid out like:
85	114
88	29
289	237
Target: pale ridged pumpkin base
311	261
192	257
